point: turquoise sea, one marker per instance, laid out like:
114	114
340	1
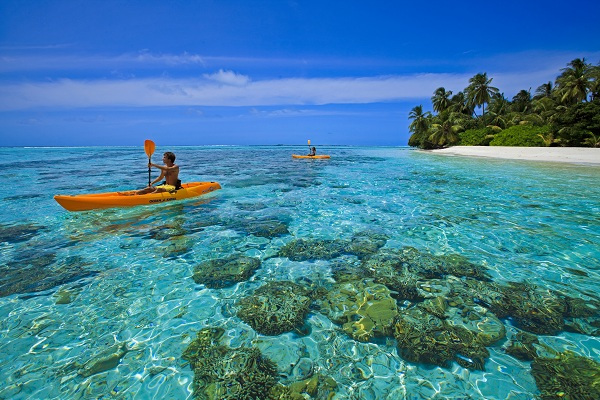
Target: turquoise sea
103	304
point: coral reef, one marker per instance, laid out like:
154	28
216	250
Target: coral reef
225	272
386	267
428	265
567	376
523	346
275	308
533	309
425	338
40	272
267	228
366	243
222	373
346	268
18	233
312	249
365	309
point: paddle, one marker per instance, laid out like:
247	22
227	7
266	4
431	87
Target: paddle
149	148
308	146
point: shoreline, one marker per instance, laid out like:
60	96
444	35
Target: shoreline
573	155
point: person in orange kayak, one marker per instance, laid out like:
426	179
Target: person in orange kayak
313	152
170	173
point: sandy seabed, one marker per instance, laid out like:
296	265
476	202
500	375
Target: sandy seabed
578	155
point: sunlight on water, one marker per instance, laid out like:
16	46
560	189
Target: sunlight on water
105	303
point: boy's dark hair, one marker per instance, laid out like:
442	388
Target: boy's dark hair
170	156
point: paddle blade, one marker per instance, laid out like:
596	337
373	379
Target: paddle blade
149	146
309	142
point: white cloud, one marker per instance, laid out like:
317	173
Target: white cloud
228	78
228	88
69	93
142	59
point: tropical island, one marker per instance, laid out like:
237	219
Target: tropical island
565	113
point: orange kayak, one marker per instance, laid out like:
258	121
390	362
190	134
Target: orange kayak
323	156
82	202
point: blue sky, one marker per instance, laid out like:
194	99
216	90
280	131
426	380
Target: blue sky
104	72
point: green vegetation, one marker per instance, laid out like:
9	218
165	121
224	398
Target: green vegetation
563	113
521	135
476	137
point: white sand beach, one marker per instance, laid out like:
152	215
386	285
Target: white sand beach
577	155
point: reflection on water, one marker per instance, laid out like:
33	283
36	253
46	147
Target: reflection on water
380	273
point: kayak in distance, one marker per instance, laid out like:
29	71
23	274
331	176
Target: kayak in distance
84	202
323	156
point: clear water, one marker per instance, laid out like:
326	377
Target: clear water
128	271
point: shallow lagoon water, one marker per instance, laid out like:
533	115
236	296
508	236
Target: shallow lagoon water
78	287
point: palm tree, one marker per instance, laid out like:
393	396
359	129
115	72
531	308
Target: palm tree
595	88
544	90
575	81
480	91
441	99
522	101
419	125
545	107
460	104
593	140
445	134
499	104
549	139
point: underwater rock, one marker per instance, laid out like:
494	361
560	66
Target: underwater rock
317	387
275	308
567	376
481	322
105	361
431	288
303	369
364	308
366	243
63	296
18	233
177	246
225	272
311	249
223	373
425	338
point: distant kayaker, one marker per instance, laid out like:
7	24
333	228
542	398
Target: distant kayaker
169	172
313	151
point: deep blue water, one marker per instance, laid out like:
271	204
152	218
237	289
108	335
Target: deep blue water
127	272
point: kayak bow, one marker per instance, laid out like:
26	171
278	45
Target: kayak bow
82	202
